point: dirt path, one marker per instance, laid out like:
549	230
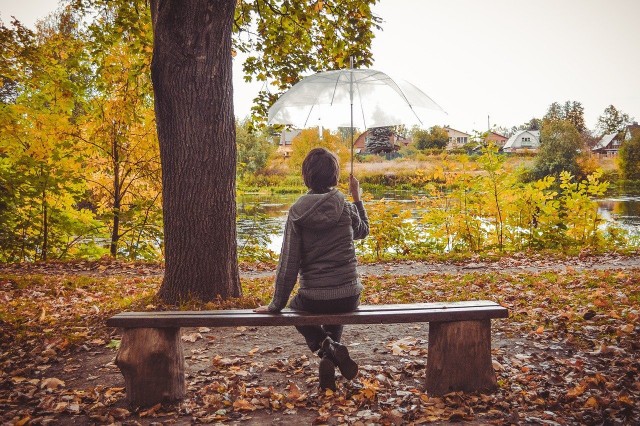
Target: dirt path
515	263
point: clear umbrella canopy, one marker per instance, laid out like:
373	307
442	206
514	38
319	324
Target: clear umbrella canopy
373	98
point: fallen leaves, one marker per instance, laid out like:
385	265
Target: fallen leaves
568	355
51	383
191	337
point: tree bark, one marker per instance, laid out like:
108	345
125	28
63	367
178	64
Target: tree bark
191	74
113	250
45	227
459	357
152	363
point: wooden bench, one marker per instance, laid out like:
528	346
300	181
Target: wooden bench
459	354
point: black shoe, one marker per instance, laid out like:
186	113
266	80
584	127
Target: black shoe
327	373
340	356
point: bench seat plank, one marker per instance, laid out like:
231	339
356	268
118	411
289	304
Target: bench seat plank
365	314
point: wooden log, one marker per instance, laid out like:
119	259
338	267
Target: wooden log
459	357
152	363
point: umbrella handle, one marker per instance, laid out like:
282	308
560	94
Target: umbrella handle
351	150
351	99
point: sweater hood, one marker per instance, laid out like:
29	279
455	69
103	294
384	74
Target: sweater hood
318	211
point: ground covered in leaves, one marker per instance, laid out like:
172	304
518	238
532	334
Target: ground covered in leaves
568	354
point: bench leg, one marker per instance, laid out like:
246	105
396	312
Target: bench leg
152	363
459	357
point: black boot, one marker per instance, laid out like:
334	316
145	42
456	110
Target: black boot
340	357
327	374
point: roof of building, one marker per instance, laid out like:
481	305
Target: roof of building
605	141
517	135
455	130
492	133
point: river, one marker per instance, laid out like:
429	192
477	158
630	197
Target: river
262	217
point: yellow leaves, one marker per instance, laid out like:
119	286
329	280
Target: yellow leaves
369	389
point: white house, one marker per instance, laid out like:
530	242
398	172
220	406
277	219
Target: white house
523	140
457	139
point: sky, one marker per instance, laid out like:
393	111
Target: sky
496	62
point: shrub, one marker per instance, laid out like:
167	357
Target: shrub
629	158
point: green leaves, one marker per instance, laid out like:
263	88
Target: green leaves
292	39
482	206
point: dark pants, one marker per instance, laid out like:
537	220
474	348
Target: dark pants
315	334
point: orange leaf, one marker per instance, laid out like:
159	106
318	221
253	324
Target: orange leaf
576	391
243	405
624	399
151	410
601	303
294	392
591	402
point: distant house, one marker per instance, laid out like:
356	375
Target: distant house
631	131
395	140
496	138
609	144
523	140
284	145
457	138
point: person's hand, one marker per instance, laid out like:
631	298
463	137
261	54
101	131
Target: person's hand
354	188
262	309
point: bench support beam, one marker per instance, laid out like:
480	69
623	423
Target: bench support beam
459	357
152	363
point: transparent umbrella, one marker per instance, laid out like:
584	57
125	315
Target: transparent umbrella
355	98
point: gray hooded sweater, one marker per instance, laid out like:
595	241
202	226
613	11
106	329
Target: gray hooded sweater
318	245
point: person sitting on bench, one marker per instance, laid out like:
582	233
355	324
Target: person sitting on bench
318	244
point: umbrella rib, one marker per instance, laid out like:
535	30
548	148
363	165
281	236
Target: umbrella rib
335	88
364	121
405	98
309	115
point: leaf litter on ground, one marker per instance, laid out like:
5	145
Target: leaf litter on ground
568	354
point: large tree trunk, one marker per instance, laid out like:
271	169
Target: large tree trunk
191	73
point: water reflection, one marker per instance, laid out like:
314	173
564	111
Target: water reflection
261	217
623	210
